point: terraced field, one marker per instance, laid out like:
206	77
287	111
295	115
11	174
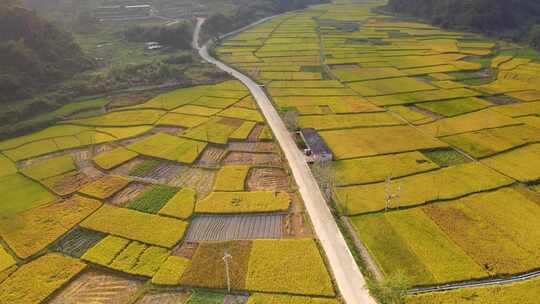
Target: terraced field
434	136
95	210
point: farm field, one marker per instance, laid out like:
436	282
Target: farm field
434	137
138	204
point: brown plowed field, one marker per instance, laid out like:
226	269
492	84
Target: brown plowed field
96	287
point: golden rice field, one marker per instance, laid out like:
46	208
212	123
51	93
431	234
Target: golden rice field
443	123
435	142
116	193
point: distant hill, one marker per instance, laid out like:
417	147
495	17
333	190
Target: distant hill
512	19
33	53
249	11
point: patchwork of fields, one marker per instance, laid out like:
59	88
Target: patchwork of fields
99	209
434	134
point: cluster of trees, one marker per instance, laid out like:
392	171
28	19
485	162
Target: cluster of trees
249	12
178	36
34	53
509	19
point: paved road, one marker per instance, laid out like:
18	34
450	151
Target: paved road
348	277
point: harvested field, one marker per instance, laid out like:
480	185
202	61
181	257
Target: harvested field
253	159
67	183
78	241
163	172
255	132
128	194
260	179
185	250
235	227
211	157
164	298
259	147
198	179
127	168
95	286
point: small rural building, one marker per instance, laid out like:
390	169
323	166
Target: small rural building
317	149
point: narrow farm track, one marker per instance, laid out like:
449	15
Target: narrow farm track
348	277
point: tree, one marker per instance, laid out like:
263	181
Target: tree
534	37
291	120
324	173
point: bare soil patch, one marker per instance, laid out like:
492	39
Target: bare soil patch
95	286
186	249
267	179
132	191
254	159
165	298
254	135
198	179
260	147
211	157
235	227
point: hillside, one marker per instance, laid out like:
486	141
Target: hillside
511	19
34	53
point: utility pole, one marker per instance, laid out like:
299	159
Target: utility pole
226	257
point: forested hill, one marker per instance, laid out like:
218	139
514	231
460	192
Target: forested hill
251	11
513	19
33	53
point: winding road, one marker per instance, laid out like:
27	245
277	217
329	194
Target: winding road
348	277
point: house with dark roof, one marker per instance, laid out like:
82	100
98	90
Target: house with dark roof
317	150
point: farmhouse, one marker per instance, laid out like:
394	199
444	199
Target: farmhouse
316	147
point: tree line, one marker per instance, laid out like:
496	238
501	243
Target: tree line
34	53
252	11
517	20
